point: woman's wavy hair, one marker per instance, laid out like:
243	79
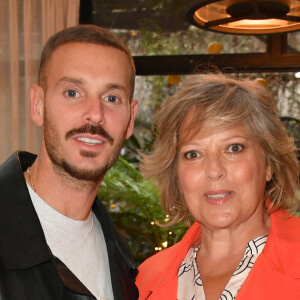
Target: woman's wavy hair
224	102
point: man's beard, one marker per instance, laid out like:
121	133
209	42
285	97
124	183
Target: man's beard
53	148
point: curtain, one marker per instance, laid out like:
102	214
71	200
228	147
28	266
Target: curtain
25	26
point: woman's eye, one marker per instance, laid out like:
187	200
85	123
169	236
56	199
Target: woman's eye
111	98
72	93
191	155
235	148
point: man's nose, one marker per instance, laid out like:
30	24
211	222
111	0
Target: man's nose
94	113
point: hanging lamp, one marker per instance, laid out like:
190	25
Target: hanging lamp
245	16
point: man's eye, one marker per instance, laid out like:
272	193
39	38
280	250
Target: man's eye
111	98
72	93
235	148
191	154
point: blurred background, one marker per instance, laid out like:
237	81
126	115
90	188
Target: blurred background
170	40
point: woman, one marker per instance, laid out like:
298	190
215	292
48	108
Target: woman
223	159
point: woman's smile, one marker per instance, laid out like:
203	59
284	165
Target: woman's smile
218	197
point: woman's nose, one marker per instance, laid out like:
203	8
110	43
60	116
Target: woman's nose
215	168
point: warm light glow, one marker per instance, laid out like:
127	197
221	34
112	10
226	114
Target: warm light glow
152	223
165	244
257	24
297	74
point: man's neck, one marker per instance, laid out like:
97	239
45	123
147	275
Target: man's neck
70	196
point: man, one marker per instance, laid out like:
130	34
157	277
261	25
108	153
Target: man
56	239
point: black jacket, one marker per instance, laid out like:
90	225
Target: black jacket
28	270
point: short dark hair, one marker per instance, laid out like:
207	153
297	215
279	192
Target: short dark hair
83	34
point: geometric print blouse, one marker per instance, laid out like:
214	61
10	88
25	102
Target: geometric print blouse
189	280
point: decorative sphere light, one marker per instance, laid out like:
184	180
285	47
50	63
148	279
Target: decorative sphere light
262	81
214	48
173	79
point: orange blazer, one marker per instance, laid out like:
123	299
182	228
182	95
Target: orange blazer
275	274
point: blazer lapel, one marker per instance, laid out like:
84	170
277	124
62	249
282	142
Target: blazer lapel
76	289
122	268
22	241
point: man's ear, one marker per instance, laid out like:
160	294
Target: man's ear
37	98
133	111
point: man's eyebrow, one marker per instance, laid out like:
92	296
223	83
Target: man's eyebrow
71	80
114	86
82	81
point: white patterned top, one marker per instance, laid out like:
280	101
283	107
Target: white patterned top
189	281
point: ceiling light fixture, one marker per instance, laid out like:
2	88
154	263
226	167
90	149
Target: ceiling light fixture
246	16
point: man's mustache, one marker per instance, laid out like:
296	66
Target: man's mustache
92	129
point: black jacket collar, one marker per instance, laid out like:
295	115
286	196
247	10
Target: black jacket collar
22	241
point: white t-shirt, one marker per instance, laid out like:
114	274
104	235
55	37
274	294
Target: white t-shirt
80	245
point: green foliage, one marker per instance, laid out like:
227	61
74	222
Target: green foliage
134	206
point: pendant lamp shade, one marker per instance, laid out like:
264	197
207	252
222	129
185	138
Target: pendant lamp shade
246	16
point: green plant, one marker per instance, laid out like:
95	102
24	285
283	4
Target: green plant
134	206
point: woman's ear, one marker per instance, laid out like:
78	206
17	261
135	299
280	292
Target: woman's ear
269	173
37	104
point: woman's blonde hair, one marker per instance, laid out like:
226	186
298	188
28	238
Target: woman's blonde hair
224	102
